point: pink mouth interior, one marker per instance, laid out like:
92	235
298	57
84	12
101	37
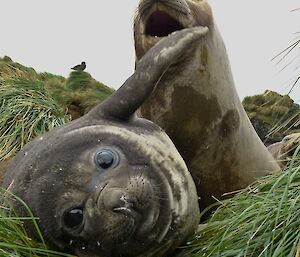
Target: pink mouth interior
161	24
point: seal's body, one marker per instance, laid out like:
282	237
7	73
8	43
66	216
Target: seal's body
109	183
283	151
196	102
3	167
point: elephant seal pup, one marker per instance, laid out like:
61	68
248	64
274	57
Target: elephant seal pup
196	102
283	151
111	184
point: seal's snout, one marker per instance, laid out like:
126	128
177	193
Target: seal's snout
118	201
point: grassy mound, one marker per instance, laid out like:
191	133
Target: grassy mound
32	103
273	115
78	93
83	92
26	111
13	70
262	220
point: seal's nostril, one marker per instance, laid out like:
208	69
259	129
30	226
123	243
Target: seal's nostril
123	210
125	207
117	200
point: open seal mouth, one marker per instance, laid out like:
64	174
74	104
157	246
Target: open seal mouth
157	19
161	24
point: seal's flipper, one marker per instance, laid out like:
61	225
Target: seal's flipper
125	101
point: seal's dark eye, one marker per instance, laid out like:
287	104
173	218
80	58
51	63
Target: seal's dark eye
73	218
106	159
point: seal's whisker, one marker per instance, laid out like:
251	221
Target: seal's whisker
160	198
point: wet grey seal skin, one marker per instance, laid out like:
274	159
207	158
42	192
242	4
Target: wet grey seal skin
196	102
283	151
109	183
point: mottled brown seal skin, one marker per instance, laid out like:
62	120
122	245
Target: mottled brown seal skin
283	151
110	184
3	168
196	102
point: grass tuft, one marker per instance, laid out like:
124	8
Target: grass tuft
26	111
14	240
84	91
261	221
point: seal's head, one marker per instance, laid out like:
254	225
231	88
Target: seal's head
284	150
109	183
156	19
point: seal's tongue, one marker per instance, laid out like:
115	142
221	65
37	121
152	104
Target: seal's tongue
149	70
161	24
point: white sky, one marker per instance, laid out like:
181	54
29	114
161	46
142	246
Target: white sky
55	35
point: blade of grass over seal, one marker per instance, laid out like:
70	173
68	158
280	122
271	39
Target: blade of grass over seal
14	240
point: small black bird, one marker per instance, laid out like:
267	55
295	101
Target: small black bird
79	67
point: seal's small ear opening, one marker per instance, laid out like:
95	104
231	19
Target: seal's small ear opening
149	70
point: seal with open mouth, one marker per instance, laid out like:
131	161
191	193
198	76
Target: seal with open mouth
196	102
111	184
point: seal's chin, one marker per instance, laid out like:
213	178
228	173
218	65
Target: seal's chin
161	24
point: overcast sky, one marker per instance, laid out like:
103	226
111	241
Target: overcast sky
55	35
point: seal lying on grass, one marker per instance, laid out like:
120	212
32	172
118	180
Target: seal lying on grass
109	183
196	102
283	151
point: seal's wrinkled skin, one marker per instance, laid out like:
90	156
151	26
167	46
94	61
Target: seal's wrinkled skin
284	150
196	102
109	183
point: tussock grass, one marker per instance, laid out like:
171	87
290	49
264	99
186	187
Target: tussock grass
79	93
26	111
261	221
84	91
14	71
14	240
